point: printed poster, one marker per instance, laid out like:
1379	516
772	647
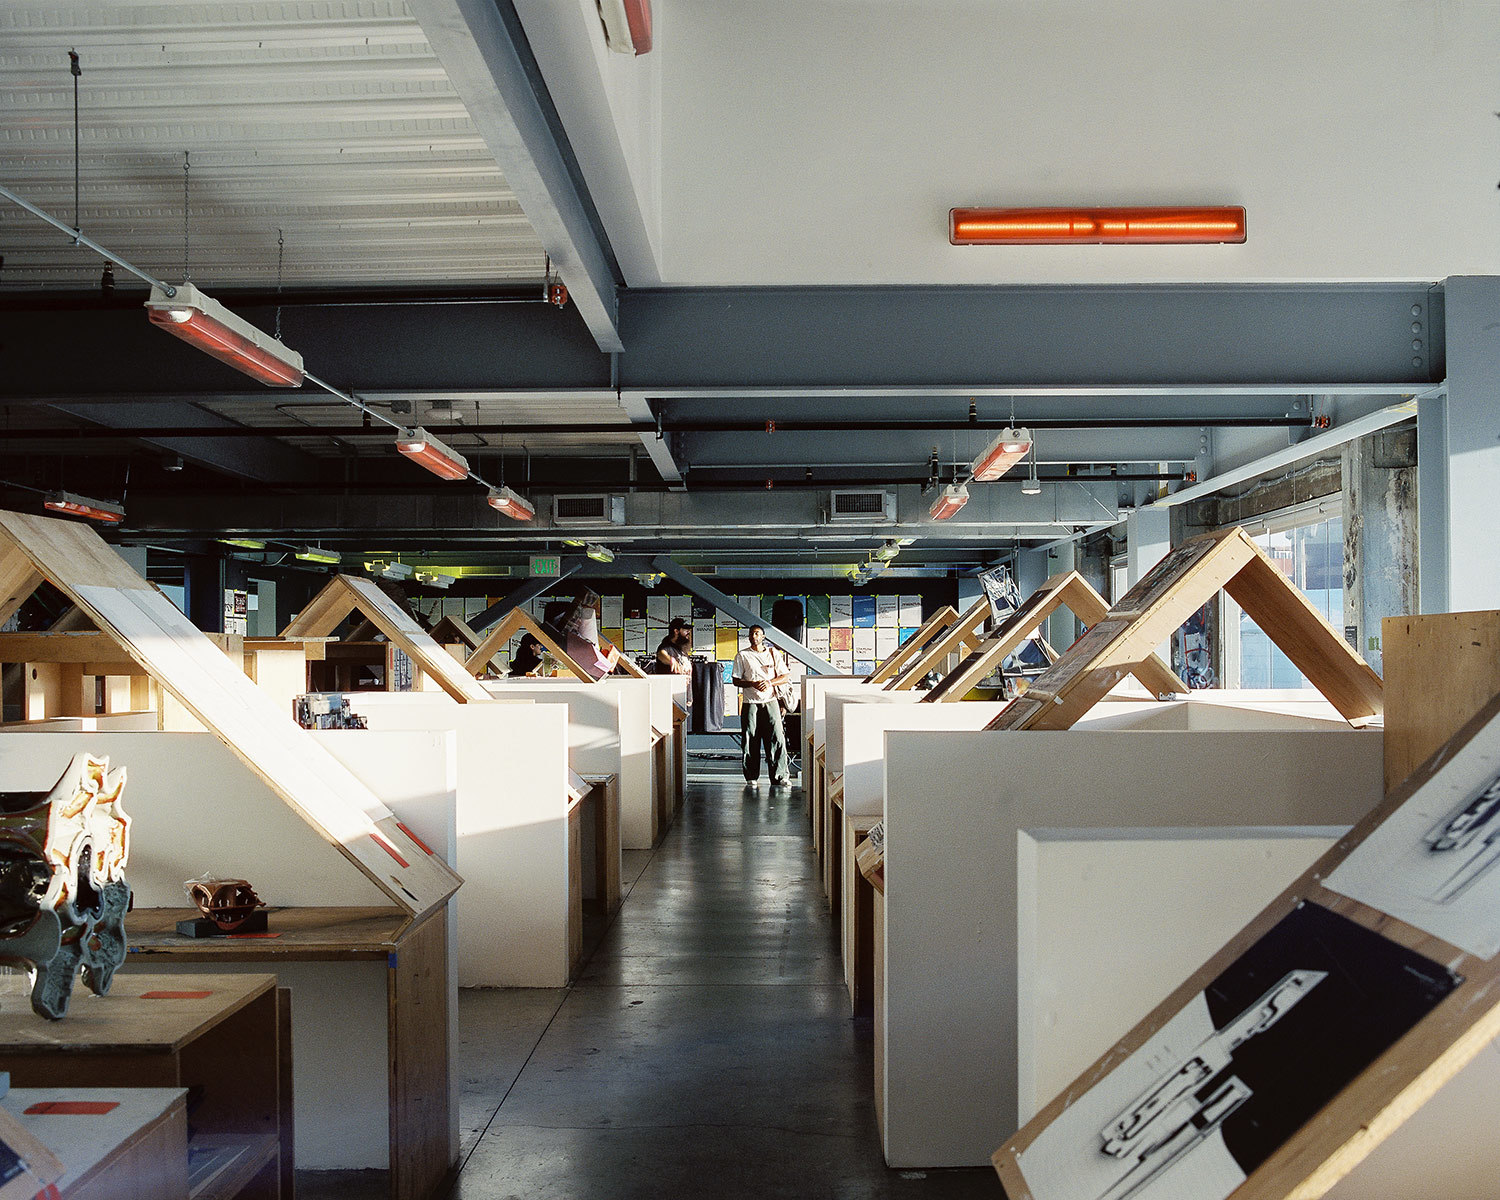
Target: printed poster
864	644
612	612
911	612
817	640
818	612
864	612
841	639
679	606
726	642
635	636
841	611
887	612
703	636
886	643
656	613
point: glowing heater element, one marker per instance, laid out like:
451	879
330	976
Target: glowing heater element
203	322
627	25
1095	226
426	451
507	502
954	497
82	506
316	554
1001	455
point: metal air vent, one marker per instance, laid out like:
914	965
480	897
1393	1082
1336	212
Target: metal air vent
865	505
588	510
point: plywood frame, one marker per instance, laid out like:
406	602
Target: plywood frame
199	675
454	631
515	622
1389	1089
912	646
961	634
1165	597
344	594
1071	591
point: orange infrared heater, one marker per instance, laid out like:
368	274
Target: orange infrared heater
426	451
1001	455
953	498
508	503
83	506
203	322
1096	226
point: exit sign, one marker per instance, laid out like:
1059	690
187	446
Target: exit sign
545	564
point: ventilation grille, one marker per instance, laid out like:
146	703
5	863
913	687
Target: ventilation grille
588	510
861	506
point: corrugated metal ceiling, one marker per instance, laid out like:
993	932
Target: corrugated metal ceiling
331	121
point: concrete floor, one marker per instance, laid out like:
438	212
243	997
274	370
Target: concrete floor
706	1048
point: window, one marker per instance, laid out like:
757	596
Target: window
1312	557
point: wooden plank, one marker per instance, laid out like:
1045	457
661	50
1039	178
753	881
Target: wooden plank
1440	669
286	1097
514	622
964	632
219	695
19	580
1070	590
575	888
300	935
1387	1081
344	594
891	666
454	631
418	1032
93	647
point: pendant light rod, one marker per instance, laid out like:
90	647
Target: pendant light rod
81	239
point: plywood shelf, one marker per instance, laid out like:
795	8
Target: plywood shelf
256	1153
299	935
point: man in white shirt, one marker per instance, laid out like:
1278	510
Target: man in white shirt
758	673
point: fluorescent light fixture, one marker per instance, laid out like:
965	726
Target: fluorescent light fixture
396	570
316	554
953	498
576	543
1095	226
434	579
244	543
888	550
505	501
1001	455
627	25
427	451
203	322
649	578
599	553
75	505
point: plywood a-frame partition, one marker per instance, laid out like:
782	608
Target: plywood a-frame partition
913	645
181	659
454	631
1125	639
1071	591
514	622
345	594
961	634
1321	1027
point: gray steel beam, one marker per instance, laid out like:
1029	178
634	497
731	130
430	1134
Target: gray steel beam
846	338
264	461
487	58
538	586
732	608
655	444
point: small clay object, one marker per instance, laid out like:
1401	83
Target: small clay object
228	903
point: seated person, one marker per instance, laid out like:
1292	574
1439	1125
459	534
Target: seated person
527	660
579	626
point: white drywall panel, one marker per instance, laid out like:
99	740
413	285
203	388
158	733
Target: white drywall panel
826	689
834	706
197	809
1080	883
1178	102
955	804
865	727
512	912
609	733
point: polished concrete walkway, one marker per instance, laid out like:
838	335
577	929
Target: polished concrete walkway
706	1048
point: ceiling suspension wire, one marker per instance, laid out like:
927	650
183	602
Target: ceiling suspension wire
187	170
77	70
280	259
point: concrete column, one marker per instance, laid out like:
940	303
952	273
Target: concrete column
203	581
1148	537
1458	486
1380	535
1031	570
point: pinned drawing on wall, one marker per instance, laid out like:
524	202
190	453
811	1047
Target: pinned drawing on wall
1229	1078
63	895
1435	863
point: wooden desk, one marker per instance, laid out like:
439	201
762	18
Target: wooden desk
859	896
661	783
679	755
600	795
833	829
138	1150
416	1032
224	1037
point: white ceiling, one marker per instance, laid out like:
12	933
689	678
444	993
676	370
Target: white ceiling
332	122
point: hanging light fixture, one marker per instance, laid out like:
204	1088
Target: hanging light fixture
1031	485
203	322
75	505
244	543
316	554
427	451
1001	455
1096	226
435	579
507	502
599	553
953	498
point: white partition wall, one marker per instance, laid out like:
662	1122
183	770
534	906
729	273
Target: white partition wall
197	809
1074	884
512	831
955	806
609	733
